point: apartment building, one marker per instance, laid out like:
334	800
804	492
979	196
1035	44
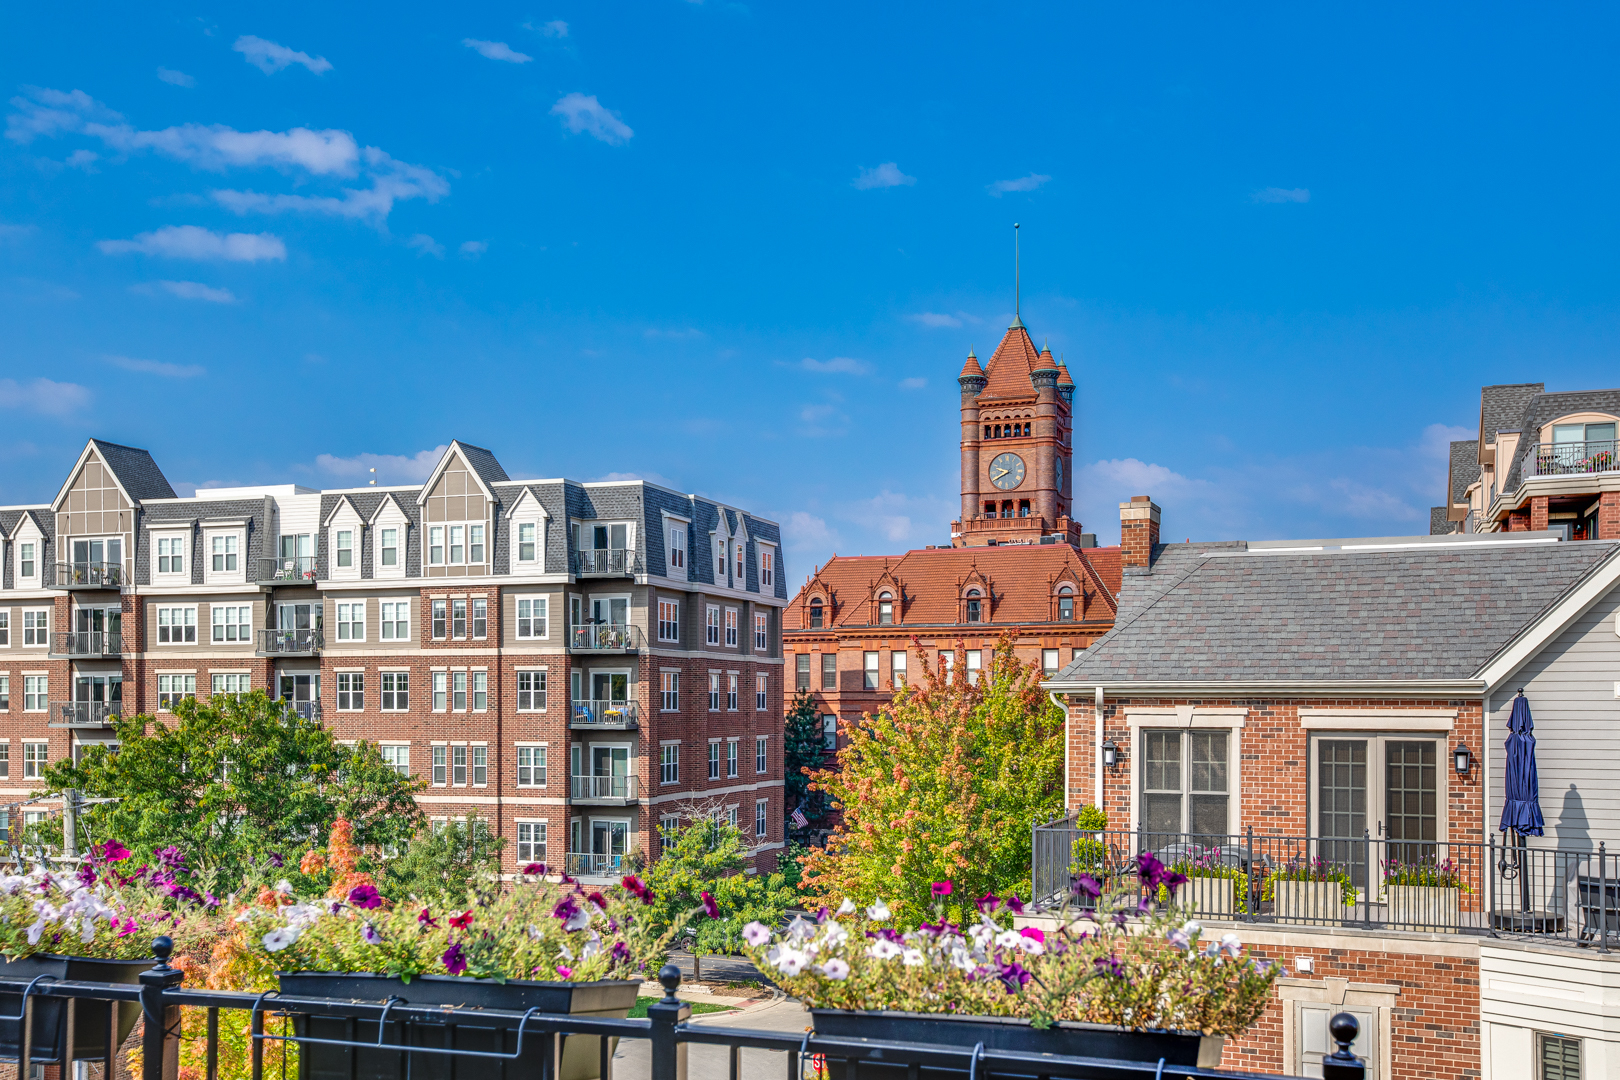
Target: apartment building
1541	461
577	663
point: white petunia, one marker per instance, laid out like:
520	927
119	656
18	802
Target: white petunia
792	962
878	911
1231	945
801	929
35	931
284	887
566	953
834	934
579	920
1008	939
280	938
883	949
756	934
847	907
1031	946
1192	927
835	969
913	958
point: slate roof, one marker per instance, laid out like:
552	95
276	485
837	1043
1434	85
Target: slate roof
1437	611
1464	468
135	470
1502	407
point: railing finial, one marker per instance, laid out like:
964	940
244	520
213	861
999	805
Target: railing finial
162	949
670	977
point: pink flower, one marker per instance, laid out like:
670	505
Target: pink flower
988	902
111	851
565	972
942	888
536	868
1034	934
462	921
710	908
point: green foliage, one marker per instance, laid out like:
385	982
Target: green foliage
1091	819
441	862
803	748
234	779
944	785
710	856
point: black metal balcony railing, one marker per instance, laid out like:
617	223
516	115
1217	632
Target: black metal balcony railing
1568	459
588	864
606	637
89	575
607	561
89	643
605	789
83	714
1563	895
291	642
605	714
300	570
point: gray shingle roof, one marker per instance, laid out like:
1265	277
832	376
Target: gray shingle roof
135	470
1464	468
483	463
1502	407
1439	524
1543	409
1439	611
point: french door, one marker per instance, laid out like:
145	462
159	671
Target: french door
301	692
1379	787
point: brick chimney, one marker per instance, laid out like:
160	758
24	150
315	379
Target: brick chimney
1138	530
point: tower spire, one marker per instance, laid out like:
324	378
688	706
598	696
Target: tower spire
1017	284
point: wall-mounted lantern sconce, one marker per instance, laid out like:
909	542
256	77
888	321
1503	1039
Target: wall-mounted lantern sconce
1110	754
1463	758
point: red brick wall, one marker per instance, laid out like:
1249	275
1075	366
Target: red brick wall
1538	513
1138	536
1608	516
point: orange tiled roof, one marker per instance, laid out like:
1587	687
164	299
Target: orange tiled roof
971	368
1064	379
1010	366
1020	577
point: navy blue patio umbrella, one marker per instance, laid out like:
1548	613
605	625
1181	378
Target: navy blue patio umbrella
1521	795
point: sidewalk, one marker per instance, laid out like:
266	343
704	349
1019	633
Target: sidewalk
634	1056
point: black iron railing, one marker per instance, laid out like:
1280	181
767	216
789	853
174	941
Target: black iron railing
607	561
89	643
291	642
89	575
43	1015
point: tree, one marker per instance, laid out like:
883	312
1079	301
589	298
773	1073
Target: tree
442	862
802	750
234	779
944	785
710	856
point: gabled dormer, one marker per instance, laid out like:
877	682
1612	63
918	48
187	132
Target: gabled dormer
975	598
887	599
1068	595
529	523
345	529
95	514
459	505
390	530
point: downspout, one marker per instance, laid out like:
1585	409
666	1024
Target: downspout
1097	762
1054	696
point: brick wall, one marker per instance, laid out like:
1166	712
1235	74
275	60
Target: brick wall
1538	513
1138	530
1608	515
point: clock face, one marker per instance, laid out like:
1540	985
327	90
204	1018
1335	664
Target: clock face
1007	471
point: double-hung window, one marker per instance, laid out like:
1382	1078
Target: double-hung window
738	576
714	691
531	842
531	766
731	757
35	755
344	545
231	682
232	622
175	688
731	693
458	553
762	809
480	617
677	547
177	625
1184	785
897	668
351	621
480	765
26	566
458	766
396	620
439	679
760	744
531	691
869	665
396	690
439	622
531	617
829	671
731	628
801	671
34	693
171	557
669	691
458	691
475	543
480	691
5	696
975	659
767	569
669	763
351	691
714	759
458	619
439	777
711	622
527	547
761	627
762	685
223	553
435	545
37	627
669	621
5	628
388	547
1049	662
397	758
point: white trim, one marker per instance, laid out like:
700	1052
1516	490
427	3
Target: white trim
1377	719
1189	718
453	450
1536	636
90	444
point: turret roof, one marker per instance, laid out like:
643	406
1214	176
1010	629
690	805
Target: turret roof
971	368
1011	364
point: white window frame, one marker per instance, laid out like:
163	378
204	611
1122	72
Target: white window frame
536	562
762	631
767	567
733	629
5	626
711	624
29	535
225	576
160	540
41	694
542	604
762	818
540	692
347	626
41	630
669	629
871	671
389	516
669	762
397	755
391	678
439	768
36	755
762	754
669	691
219	682
1190	717
733	758
533	849
539	763
762	691
339	568
714	759
187	612
714	691
677	547
440	699
897	668
733	686
351	691
244	631
187	688
388	628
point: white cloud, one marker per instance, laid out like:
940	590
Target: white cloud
935	319
822	420
270	58
556	28
157	367
391	468
426	245
689	333
804	531
1282	195
44	111
176	78
886	175
471	249
194	242
392	181
838	365
43	396
496	50
14	232
650	477
1023	183
83	159
916	382
582	113
196	290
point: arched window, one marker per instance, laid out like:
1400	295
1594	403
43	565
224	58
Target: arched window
815	614
885	609
1065	604
987	431
973	608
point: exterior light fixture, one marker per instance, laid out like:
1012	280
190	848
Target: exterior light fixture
1463	758
1110	754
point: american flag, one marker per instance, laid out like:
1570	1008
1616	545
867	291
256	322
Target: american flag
799	820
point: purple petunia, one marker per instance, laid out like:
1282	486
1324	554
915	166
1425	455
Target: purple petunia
276	860
942	888
365	896
710	908
620	952
538	868
111	851
455	962
1109	965
988	903
426	921
1155	874
1014	905
1014	976
1086	885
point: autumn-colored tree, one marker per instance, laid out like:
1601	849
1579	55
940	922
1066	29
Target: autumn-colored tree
944	785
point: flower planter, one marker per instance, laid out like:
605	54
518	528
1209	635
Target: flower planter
91	1018
579	1056
1204	896
1006	1033
1424	907
1313	901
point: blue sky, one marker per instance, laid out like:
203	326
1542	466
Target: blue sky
743	248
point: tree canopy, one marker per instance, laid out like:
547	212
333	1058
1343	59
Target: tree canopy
803	747
710	855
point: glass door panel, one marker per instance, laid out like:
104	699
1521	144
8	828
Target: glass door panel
1411	800
1341	804
301	692
1161	787
1206	788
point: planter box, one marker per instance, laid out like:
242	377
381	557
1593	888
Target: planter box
90	1018
1005	1033
579	1055
1423	907
1203	896
1314	901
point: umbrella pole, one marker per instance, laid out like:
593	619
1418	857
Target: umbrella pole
1521	857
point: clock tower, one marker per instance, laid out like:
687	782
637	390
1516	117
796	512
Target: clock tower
1017	447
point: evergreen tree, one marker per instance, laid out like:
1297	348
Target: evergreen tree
803	750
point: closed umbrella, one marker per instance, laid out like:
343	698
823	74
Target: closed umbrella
1521	795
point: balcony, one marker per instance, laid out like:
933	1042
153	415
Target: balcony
1570	459
603	790
87	645
273	572
83	714
585	864
606	637
605	716
607	562
290	642
89	575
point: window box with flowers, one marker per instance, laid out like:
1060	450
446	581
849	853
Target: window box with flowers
1215	886
1310	890
1424	895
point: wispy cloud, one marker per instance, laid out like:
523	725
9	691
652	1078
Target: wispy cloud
935	319
426	245
43	396
176	78
83	159
838	365
1282	195
650	477
556	28
157	367
583	114
822	420
194	242
684	333
916	382
391	181
14	232
471	249
270	58
1023	183
186	290
496	50
391	468
886	175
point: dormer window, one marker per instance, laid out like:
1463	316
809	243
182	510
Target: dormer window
815	614
526	541
1065	604
885	609
973	606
